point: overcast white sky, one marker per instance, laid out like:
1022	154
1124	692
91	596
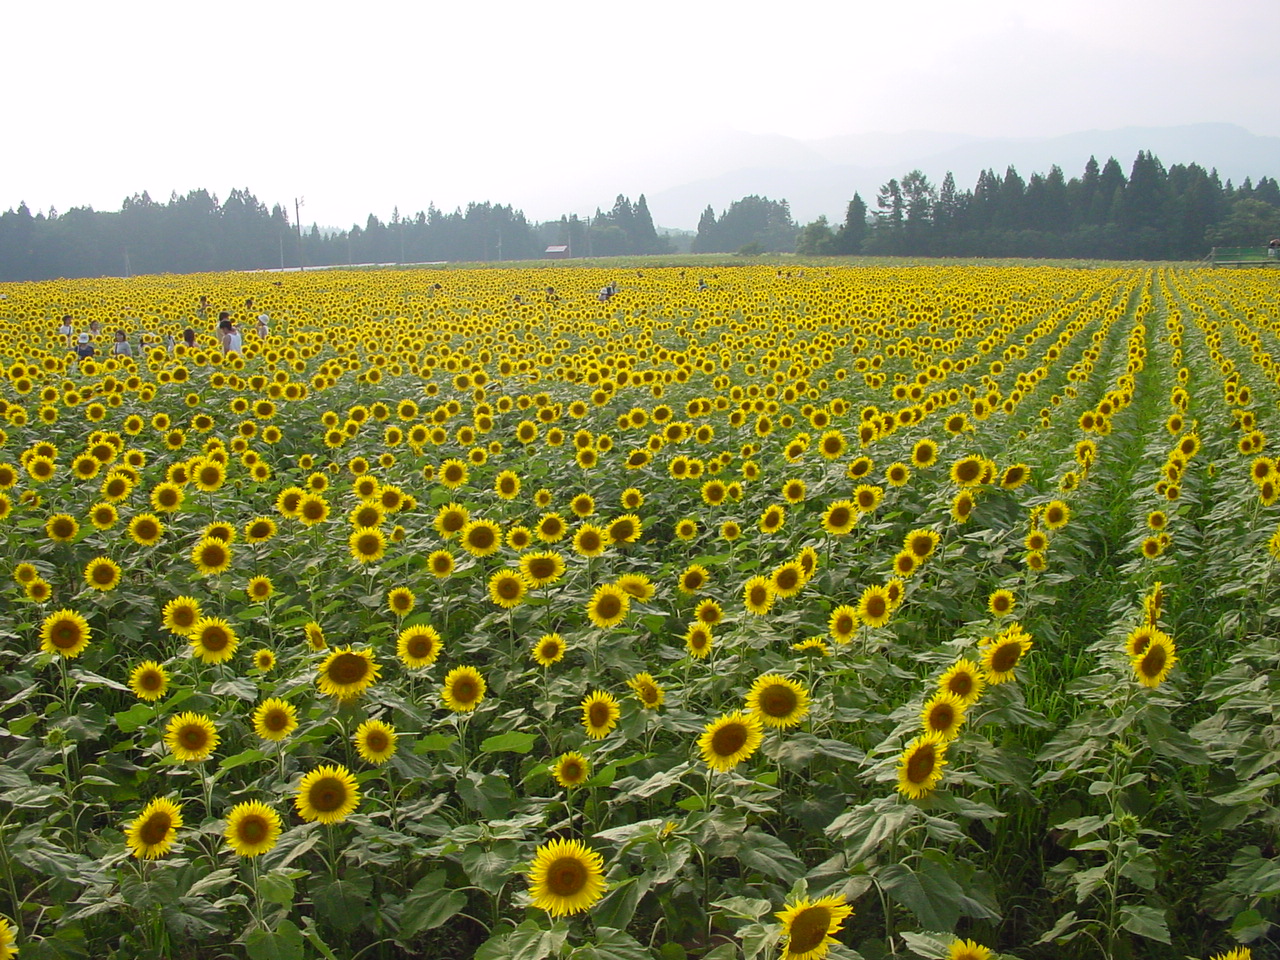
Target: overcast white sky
558	105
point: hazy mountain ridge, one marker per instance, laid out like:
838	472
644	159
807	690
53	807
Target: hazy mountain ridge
819	177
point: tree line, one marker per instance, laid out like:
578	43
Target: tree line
198	232
1152	213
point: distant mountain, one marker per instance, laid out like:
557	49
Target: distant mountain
820	176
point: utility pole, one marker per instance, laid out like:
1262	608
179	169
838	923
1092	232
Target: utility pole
298	203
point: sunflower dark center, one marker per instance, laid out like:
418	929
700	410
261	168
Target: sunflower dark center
193	737
778	700
598	714
215	638
276	720
608	607
348	668
1005	657
509	588
252	829
942	717
1153	661
376	741
566	877
808	929
729	739
921	763
464	690
875	606
328	794
155	828
65	635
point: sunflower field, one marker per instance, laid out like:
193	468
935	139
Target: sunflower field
840	612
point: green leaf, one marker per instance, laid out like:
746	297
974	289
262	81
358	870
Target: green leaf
744	908
618	906
240	759
284	943
276	887
1145	922
429	912
511	742
434	742
770	856
526	942
342	901
930	944
611	944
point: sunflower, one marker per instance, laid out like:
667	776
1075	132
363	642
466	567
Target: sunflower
778	702
1152	665
967	471
608	606
943	714
874	606
590	540
38	589
967	950
314	635
809	926
367	544
252	828
867	498
259	530
758	595
375	741
1000	603
62	528
452	473
624	529
565	877
211	555
840	518
213	640
788	579
327	794
897	474
191	737
964	680
600	714
312	509
463	689
548	649
64	633
481	538
637	586
906	563
542	567
152	834
149	681
843	623
708	612
1056	514
1235	953
571	770
647	691
962	506
146	529
698	640
1001	653
347	673
8	939
102	573
507	588
418	646
920	765
274	719
440	563
167	497
103	516
922	543
693	578
729	739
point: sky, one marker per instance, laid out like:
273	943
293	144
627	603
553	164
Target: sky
556	107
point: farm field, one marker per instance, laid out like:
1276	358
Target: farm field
917	611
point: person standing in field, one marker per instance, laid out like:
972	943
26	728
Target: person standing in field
121	347
65	330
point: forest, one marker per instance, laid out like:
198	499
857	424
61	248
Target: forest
1153	213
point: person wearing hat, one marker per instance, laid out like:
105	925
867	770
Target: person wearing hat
83	347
